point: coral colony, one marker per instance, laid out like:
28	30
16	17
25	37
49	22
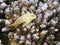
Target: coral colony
31	22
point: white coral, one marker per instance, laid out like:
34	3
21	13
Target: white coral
4	29
29	36
3	4
7	22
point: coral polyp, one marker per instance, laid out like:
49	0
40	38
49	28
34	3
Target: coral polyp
30	22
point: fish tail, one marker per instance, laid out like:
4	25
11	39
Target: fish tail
10	25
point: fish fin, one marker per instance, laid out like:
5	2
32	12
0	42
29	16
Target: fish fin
11	25
26	23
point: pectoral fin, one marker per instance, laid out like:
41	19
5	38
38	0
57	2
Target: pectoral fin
25	24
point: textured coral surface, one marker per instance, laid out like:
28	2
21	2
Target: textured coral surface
30	22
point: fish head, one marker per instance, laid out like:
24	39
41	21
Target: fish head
33	16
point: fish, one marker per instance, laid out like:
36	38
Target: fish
25	19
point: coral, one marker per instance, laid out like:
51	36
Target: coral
31	22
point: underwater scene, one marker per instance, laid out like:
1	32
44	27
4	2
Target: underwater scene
29	22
